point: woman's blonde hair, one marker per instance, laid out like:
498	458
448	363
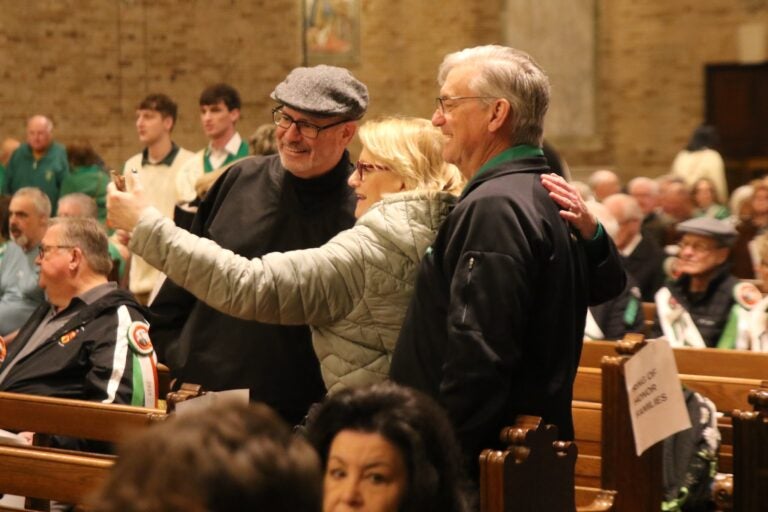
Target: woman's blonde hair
412	148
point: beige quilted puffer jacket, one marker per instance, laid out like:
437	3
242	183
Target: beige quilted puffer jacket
353	291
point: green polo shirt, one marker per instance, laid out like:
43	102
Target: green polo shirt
47	173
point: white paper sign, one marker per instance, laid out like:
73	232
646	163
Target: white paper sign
656	401
211	398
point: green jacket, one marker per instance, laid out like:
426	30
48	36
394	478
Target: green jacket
47	173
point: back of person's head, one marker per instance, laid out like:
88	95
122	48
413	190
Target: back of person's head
511	74
77	204
160	103
413	149
90	237
215	93
262	140
226	458
81	153
415	425
704	136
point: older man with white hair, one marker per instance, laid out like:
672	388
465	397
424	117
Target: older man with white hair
642	257
479	335
604	183
39	162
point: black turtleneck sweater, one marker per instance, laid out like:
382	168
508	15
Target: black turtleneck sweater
256	208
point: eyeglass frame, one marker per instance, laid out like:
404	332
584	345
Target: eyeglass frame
43	249
440	105
363	167
278	115
699	247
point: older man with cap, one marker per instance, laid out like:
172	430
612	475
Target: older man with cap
296	199
706	306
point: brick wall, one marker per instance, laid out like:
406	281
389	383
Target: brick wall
88	62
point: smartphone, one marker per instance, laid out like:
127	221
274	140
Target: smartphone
118	179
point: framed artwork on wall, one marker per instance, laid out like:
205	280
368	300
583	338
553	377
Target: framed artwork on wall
331	32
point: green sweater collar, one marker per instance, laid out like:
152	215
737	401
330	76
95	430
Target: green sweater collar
513	153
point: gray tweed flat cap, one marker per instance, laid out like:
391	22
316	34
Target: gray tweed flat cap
323	90
723	232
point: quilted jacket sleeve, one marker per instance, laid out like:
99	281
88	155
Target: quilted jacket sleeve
312	286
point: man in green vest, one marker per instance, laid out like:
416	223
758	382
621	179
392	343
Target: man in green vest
40	162
219	113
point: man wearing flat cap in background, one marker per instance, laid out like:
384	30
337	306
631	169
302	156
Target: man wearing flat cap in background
706	306
296	199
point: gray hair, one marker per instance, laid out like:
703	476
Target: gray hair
503	72
652	185
85	204
39	199
90	237
628	205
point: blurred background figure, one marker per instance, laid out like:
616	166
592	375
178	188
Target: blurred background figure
87	176
7	148
700	159
387	448
604	183
612	319
753	221
262	141
642	256
646	193
225	458
706	200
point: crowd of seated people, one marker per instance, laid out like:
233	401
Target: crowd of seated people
306	278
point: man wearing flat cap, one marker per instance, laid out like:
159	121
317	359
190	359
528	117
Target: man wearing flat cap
706	306
296	199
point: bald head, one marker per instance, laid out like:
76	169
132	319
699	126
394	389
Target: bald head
646	193
604	183
39	134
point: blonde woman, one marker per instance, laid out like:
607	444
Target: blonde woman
354	290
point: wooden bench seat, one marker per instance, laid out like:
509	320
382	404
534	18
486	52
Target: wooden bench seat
74	418
45	473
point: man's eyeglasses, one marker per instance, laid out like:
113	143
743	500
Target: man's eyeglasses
45	249
698	247
307	129
447	103
363	168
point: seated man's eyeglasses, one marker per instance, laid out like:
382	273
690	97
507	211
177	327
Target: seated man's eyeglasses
45	249
447	103
307	129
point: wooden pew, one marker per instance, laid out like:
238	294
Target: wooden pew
750	457
728	390
59	475
73	418
533	473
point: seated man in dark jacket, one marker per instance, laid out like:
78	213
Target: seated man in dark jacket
704	306
89	341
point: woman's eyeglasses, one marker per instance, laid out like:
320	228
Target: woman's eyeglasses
363	168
